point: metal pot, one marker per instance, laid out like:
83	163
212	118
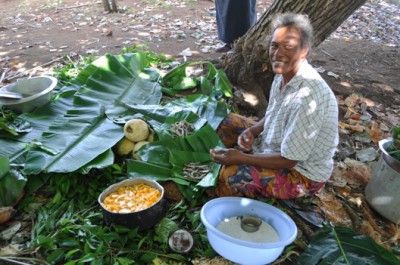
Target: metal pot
35	92
383	190
143	219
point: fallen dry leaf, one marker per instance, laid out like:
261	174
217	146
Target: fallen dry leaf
6	214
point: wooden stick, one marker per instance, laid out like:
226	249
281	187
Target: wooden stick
3	75
327	53
26	71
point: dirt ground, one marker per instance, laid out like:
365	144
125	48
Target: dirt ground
35	33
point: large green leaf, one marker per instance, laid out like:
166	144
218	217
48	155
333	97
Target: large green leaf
122	78
12	183
343	246
177	80
78	140
40	120
77	130
169	156
162	117
204	106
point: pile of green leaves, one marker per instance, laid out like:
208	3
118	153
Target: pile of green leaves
69	226
394	148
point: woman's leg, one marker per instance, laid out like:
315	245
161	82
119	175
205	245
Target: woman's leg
254	182
231	127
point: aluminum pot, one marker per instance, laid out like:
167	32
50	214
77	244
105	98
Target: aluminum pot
383	190
35	91
143	219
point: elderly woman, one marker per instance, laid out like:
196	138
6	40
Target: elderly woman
288	153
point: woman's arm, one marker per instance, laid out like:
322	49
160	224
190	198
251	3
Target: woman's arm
246	138
264	160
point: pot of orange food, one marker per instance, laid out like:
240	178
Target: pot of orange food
135	203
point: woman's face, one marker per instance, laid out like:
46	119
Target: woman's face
285	52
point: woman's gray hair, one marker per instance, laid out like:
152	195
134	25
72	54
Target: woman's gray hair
300	21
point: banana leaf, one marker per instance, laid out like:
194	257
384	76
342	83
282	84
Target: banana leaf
143	169
81	131
179	159
204	106
102	161
12	183
122	78
170	155
343	246
14	146
200	141
156	115
83	134
218	84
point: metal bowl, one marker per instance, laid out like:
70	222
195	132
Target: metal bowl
35	91
143	219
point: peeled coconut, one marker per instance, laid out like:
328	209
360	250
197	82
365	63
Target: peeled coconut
150	138
138	145
125	146
136	130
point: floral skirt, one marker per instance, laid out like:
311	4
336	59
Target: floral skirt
253	182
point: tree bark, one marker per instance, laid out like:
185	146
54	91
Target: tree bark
248	67
106	6
110	8
114	5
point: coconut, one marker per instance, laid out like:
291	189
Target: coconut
150	138
125	146
136	130
138	145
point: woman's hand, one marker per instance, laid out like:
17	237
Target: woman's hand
246	140
226	156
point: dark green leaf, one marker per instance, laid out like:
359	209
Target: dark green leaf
55	256
12	184
163	230
148	257
206	87
88	257
223	84
4	166
45	242
124	261
342	245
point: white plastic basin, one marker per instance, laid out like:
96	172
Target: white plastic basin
240	251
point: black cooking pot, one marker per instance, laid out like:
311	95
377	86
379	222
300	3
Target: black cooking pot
143	219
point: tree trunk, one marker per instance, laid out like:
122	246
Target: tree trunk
248	67
114	5
106	6
110	8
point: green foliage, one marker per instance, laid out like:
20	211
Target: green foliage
10	124
69	228
12	183
343	246
394	148
214	84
